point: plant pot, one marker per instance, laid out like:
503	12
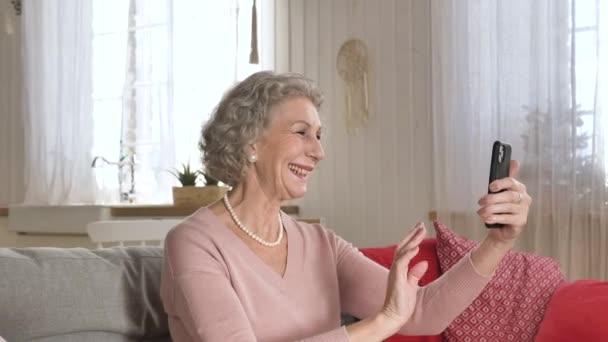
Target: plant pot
197	195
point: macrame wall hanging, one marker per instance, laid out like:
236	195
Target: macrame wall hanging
352	67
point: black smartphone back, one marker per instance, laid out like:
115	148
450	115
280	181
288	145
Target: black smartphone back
499	167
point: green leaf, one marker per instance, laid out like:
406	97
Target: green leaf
185	176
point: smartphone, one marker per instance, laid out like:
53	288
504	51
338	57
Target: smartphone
499	168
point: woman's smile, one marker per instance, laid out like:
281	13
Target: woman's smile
301	171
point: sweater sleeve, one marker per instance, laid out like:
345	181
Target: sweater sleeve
201	298
204	302
363	286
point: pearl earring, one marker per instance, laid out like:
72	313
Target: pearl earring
252	158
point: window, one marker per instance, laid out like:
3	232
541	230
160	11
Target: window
585	32
588	93
159	68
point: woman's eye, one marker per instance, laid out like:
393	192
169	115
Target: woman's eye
301	132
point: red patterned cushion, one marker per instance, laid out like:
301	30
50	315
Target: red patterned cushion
512	305
577	311
384	256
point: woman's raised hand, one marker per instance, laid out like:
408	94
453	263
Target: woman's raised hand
401	293
510	206
403	281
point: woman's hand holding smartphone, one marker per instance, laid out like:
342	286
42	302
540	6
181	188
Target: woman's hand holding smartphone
507	203
499	168
505	207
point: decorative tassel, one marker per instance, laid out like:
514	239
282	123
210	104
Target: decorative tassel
253	56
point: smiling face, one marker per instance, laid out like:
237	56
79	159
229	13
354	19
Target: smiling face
288	150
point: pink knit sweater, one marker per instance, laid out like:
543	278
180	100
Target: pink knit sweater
214	288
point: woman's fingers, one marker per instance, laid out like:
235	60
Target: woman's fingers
407	251
410	235
411	243
508	204
508	183
507	207
514	168
402	285
403	257
496	209
416	272
510	196
509	220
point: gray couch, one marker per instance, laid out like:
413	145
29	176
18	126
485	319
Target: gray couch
54	294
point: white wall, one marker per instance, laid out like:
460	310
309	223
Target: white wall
11	125
375	185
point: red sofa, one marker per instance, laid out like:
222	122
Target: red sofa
576	311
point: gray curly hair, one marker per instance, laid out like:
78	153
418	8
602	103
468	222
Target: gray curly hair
242	115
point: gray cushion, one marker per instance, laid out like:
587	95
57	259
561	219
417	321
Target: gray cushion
97	337
54	294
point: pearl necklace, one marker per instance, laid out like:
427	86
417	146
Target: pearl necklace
249	232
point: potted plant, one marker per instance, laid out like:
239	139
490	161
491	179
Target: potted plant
188	194
186	176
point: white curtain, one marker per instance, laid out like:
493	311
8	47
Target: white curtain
58	123
531	73
132	93
125	86
11	120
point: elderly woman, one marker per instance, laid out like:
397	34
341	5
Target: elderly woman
241	270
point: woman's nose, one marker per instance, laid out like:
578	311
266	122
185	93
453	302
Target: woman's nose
317	151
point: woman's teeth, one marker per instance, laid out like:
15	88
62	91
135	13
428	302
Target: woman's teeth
297	170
